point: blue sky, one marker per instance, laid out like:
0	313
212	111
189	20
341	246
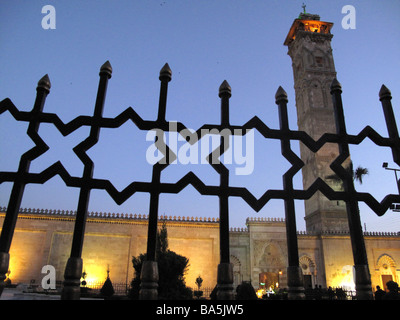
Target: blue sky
204	42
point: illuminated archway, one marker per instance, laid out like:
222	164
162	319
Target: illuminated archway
309	271
387	269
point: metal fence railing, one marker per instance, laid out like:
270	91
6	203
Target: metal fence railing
86	183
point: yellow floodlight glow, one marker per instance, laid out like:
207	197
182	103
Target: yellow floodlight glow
345	280
95	274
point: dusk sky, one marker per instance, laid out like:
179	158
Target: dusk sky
204	42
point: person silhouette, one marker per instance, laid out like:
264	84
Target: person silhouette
393	293
379	293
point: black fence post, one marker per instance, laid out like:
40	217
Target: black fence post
385	96
149	273
73	269
362	275
294	273
225	268
10	220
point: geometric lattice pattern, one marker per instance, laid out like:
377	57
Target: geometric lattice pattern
223	191
57	168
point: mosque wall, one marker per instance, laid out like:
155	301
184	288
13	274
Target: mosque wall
258	253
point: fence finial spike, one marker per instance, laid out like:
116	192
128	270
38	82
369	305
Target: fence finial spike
166	72
44	83
225	88
106	69
280	95
384	93
335	85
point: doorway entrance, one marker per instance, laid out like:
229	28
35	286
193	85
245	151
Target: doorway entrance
386	278
269	280
307	281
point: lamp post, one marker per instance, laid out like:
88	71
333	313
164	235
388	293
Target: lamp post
385	165
394	206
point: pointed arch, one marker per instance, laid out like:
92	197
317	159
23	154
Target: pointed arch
237	270
386	266
307	265
272	258
386	262
235	261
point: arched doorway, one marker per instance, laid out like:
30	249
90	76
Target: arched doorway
387	269
237	272
272	268
309	271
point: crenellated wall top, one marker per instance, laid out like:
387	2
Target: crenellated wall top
118	217
108	215
346	233
104	216
263	220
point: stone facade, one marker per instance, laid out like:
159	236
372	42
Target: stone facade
309	46
258	252
326	258
45	237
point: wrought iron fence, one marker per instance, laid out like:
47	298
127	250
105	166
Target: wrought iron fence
120	288
206	292
86	183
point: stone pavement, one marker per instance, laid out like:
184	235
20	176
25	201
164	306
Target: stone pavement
21	294
18	294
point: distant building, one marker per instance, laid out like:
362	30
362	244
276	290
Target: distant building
258	252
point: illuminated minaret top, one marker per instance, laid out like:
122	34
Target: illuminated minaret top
307	22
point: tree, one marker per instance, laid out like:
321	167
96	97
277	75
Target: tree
172	268
162	239
357	174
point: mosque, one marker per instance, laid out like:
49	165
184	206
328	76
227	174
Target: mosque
257	252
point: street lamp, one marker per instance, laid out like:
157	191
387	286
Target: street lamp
394	207
385	165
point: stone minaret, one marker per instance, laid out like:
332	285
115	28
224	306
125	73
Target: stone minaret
309	44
